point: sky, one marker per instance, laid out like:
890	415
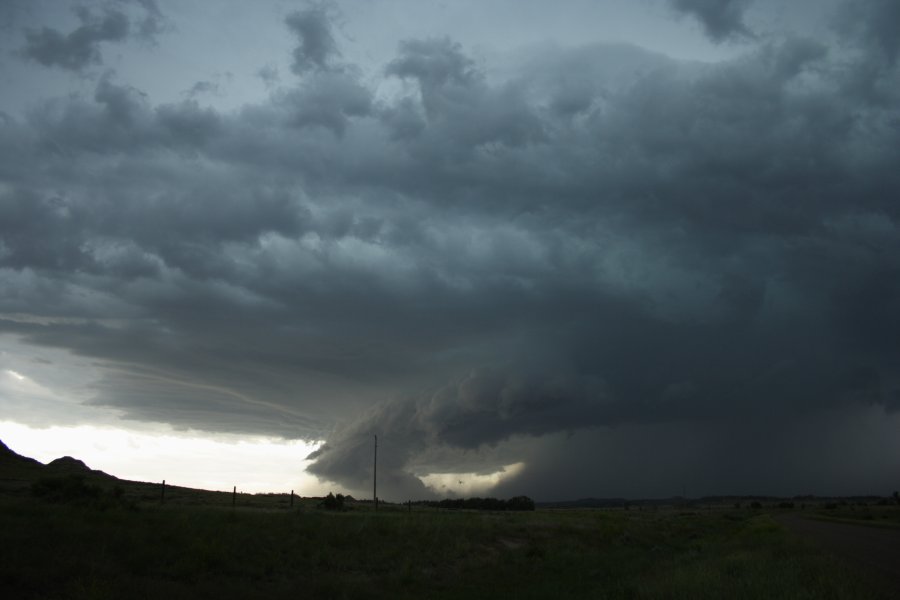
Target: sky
572	249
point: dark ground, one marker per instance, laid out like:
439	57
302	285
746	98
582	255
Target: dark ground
876	550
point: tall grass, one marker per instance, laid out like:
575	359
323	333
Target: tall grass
80	551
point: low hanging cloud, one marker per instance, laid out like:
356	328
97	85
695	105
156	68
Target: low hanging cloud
81	48
722	20
485	407
875	25
317	48
474	267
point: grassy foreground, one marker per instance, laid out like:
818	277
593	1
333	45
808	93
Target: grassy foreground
119	551
871	516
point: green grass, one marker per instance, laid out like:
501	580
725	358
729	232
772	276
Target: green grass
112	551
873	516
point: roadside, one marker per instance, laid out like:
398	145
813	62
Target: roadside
875	550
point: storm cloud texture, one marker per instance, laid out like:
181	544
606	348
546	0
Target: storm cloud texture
624	269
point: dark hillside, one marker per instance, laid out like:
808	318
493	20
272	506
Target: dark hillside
16	471
8	456
72	466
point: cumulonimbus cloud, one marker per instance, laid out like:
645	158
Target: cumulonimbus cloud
464	262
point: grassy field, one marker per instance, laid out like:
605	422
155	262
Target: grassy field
118	547
872	516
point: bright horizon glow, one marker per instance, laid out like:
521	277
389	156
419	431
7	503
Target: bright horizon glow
468	484
190	458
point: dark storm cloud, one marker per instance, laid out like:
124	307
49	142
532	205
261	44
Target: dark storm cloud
483	408
313	27
14	11
826	453
460	264
726	167
329	100
721	19
81	47
875	24
461	108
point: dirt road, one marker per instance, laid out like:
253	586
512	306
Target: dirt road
874	549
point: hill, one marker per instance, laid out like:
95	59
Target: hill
8	456
18	473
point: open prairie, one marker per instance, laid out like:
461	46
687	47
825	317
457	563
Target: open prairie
107	545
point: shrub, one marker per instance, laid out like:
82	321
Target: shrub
74	489
70	488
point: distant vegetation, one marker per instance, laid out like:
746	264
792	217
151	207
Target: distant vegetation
74	489
76	550
517	503
332	502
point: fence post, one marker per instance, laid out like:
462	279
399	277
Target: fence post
292	498
234	497
162	496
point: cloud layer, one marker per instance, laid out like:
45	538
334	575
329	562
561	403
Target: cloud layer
467	265
81	47
721	19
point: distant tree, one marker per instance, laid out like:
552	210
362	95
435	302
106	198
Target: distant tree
332	502
516	503
755	505
520	503
897	497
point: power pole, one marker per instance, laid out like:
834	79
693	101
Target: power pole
375	475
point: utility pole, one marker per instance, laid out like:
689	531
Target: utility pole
375	475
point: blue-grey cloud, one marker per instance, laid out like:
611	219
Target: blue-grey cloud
81	47
317	48
873	24
721	19
464	263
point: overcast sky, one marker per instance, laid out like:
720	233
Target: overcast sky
581	248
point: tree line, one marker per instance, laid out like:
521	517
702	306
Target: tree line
515	503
